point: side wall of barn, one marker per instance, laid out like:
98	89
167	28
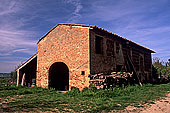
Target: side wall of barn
67	44
112	53
101	62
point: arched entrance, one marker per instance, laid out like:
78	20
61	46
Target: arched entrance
59	76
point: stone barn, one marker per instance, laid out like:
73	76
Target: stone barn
68	53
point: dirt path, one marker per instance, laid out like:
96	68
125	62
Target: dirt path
159	106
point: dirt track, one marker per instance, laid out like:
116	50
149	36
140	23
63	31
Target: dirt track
160	106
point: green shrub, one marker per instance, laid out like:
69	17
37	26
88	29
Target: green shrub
74	91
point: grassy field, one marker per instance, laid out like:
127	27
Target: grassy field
37	99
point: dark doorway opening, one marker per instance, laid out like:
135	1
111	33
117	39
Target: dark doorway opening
59	76
30	73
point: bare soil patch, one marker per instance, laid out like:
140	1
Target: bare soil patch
160	106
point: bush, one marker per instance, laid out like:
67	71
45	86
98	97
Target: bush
161	71
74	91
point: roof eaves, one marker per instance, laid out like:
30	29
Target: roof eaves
93	26
26	61
47	33
125	39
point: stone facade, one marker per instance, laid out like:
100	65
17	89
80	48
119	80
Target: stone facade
85	50
66	44
114	56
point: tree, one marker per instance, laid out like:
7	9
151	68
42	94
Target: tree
13	76
163	69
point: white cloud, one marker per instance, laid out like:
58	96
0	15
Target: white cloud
75	16
13	38
16	41
139	21
7	7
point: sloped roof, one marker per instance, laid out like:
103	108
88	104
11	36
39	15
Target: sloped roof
93	26
25	63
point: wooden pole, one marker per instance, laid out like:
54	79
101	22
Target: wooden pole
134	70
23	80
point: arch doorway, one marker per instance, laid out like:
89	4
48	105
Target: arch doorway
59	76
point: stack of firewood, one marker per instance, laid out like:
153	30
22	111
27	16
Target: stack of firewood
115	78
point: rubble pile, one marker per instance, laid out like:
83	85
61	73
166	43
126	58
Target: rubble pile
115	78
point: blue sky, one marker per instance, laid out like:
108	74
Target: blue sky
23	22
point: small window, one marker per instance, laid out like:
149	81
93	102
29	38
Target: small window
82	72
99	45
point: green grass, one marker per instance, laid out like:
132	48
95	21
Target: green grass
89	100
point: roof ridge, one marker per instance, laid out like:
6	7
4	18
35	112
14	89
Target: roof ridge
93	26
